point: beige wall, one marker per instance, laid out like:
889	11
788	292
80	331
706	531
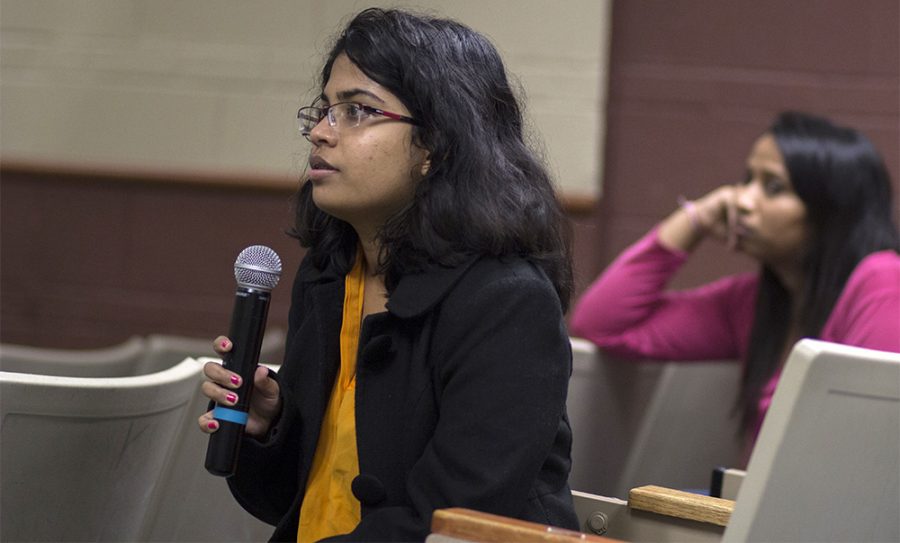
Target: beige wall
212	86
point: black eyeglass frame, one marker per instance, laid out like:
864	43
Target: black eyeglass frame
327	112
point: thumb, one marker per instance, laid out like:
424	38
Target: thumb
263	385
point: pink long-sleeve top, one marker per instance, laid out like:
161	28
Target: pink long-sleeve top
629	313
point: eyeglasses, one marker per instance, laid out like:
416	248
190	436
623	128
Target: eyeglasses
342	115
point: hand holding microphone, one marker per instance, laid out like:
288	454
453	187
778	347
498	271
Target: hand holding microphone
257	270
265	405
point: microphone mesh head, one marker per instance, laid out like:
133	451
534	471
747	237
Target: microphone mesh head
257	267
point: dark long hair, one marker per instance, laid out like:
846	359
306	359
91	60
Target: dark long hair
485	192
846	188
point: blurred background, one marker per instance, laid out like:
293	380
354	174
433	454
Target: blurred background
143	144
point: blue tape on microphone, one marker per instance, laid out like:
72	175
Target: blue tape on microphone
230	415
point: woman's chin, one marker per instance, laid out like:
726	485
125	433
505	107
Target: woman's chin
326	204
743	247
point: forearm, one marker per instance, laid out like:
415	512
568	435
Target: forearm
682	229
628	291
630	313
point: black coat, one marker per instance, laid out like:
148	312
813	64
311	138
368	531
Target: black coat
460	401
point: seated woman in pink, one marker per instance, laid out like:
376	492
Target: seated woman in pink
815	210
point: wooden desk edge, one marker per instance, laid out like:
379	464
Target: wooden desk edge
487	528
680	504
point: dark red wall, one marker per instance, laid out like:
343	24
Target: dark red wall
694	82
88	262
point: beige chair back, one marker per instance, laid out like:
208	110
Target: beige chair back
81	456
639	423
119	360
826	466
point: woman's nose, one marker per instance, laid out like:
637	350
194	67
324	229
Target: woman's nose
323	133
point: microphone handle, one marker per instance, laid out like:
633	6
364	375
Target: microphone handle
248	321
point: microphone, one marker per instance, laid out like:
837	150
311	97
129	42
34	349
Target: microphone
257	270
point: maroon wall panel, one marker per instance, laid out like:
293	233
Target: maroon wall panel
89	262
694	82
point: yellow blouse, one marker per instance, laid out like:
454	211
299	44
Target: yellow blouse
329	507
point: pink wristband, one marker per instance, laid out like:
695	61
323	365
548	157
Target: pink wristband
691	209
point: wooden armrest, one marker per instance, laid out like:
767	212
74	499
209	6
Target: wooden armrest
676	503
481	527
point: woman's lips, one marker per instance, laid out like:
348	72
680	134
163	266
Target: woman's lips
316	174
319	168
741	230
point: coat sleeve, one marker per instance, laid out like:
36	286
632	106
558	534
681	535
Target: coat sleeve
265	483
629	312
503	360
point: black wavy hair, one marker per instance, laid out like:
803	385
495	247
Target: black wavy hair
486	192
843	182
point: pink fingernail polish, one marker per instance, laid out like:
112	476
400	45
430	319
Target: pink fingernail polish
212	425
231	398
235	379
224	344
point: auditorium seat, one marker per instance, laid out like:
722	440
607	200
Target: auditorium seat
119	360
726	482
165	350
190	504
826	465
81	456
650	515
135	356
639	423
